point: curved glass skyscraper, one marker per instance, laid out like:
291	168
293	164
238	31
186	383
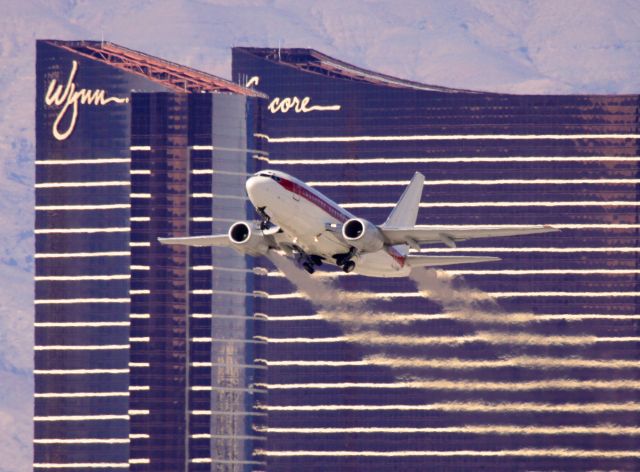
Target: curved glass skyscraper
528	363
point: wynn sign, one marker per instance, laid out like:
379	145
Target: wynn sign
67	97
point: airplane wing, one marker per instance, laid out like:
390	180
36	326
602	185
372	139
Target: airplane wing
450	235
437	261
218	240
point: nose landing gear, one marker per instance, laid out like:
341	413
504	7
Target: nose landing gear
265	222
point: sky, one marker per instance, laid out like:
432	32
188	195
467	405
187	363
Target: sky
519	46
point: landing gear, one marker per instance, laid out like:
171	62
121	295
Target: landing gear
316	260
342	259
348	266
266	219
308	261
308	267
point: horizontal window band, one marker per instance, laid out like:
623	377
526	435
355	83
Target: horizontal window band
81	418
140	315
140	244
499	204
219	172
138	436
101	347
455	407
402	183
138	412
81	277
231	437
221	292
227	340
82	324
444	160
79	371
489	337
608	430
530	249
390	295
66	255
233	317
226	413
140	172
453	363
140	460
209	460
209	388
504	272
469	386
139	292
255	270
82	230
81	465
140	218
402	317
109	160
242	366
106	183
552	452
62	301
449	137
81	394
219	148
115	206
142	339
139	387
140	195
140	267
82	441
140	148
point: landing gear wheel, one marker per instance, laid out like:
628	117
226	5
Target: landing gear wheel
317	260
308	267
349	266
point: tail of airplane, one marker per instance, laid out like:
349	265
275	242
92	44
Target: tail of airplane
405	213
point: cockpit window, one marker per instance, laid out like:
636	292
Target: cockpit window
264	175
276	178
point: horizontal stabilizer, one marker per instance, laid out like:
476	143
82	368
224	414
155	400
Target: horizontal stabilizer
219	240
437	261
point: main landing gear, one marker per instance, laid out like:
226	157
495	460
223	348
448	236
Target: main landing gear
309	262
344	260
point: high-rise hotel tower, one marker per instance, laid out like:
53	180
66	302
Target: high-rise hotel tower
529	363
141	355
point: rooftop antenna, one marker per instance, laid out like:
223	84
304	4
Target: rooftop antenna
101	38
279	58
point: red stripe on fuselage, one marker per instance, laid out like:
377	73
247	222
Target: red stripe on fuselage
333	210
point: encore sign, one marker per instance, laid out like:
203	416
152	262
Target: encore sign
296	104
68	97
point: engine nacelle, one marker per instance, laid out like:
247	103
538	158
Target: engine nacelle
248	239
363	235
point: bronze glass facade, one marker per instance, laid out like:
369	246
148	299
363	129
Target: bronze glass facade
529	364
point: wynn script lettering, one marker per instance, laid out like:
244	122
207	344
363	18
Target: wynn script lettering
68	97
298	105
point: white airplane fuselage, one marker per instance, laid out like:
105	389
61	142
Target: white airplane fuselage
303	214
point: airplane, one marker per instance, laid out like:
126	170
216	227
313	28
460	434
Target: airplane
306	225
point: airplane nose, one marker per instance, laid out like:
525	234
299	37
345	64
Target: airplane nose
256	188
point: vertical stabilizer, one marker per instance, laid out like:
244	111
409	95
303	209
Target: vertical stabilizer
405	213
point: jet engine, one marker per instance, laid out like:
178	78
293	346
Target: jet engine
248	239
363	235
